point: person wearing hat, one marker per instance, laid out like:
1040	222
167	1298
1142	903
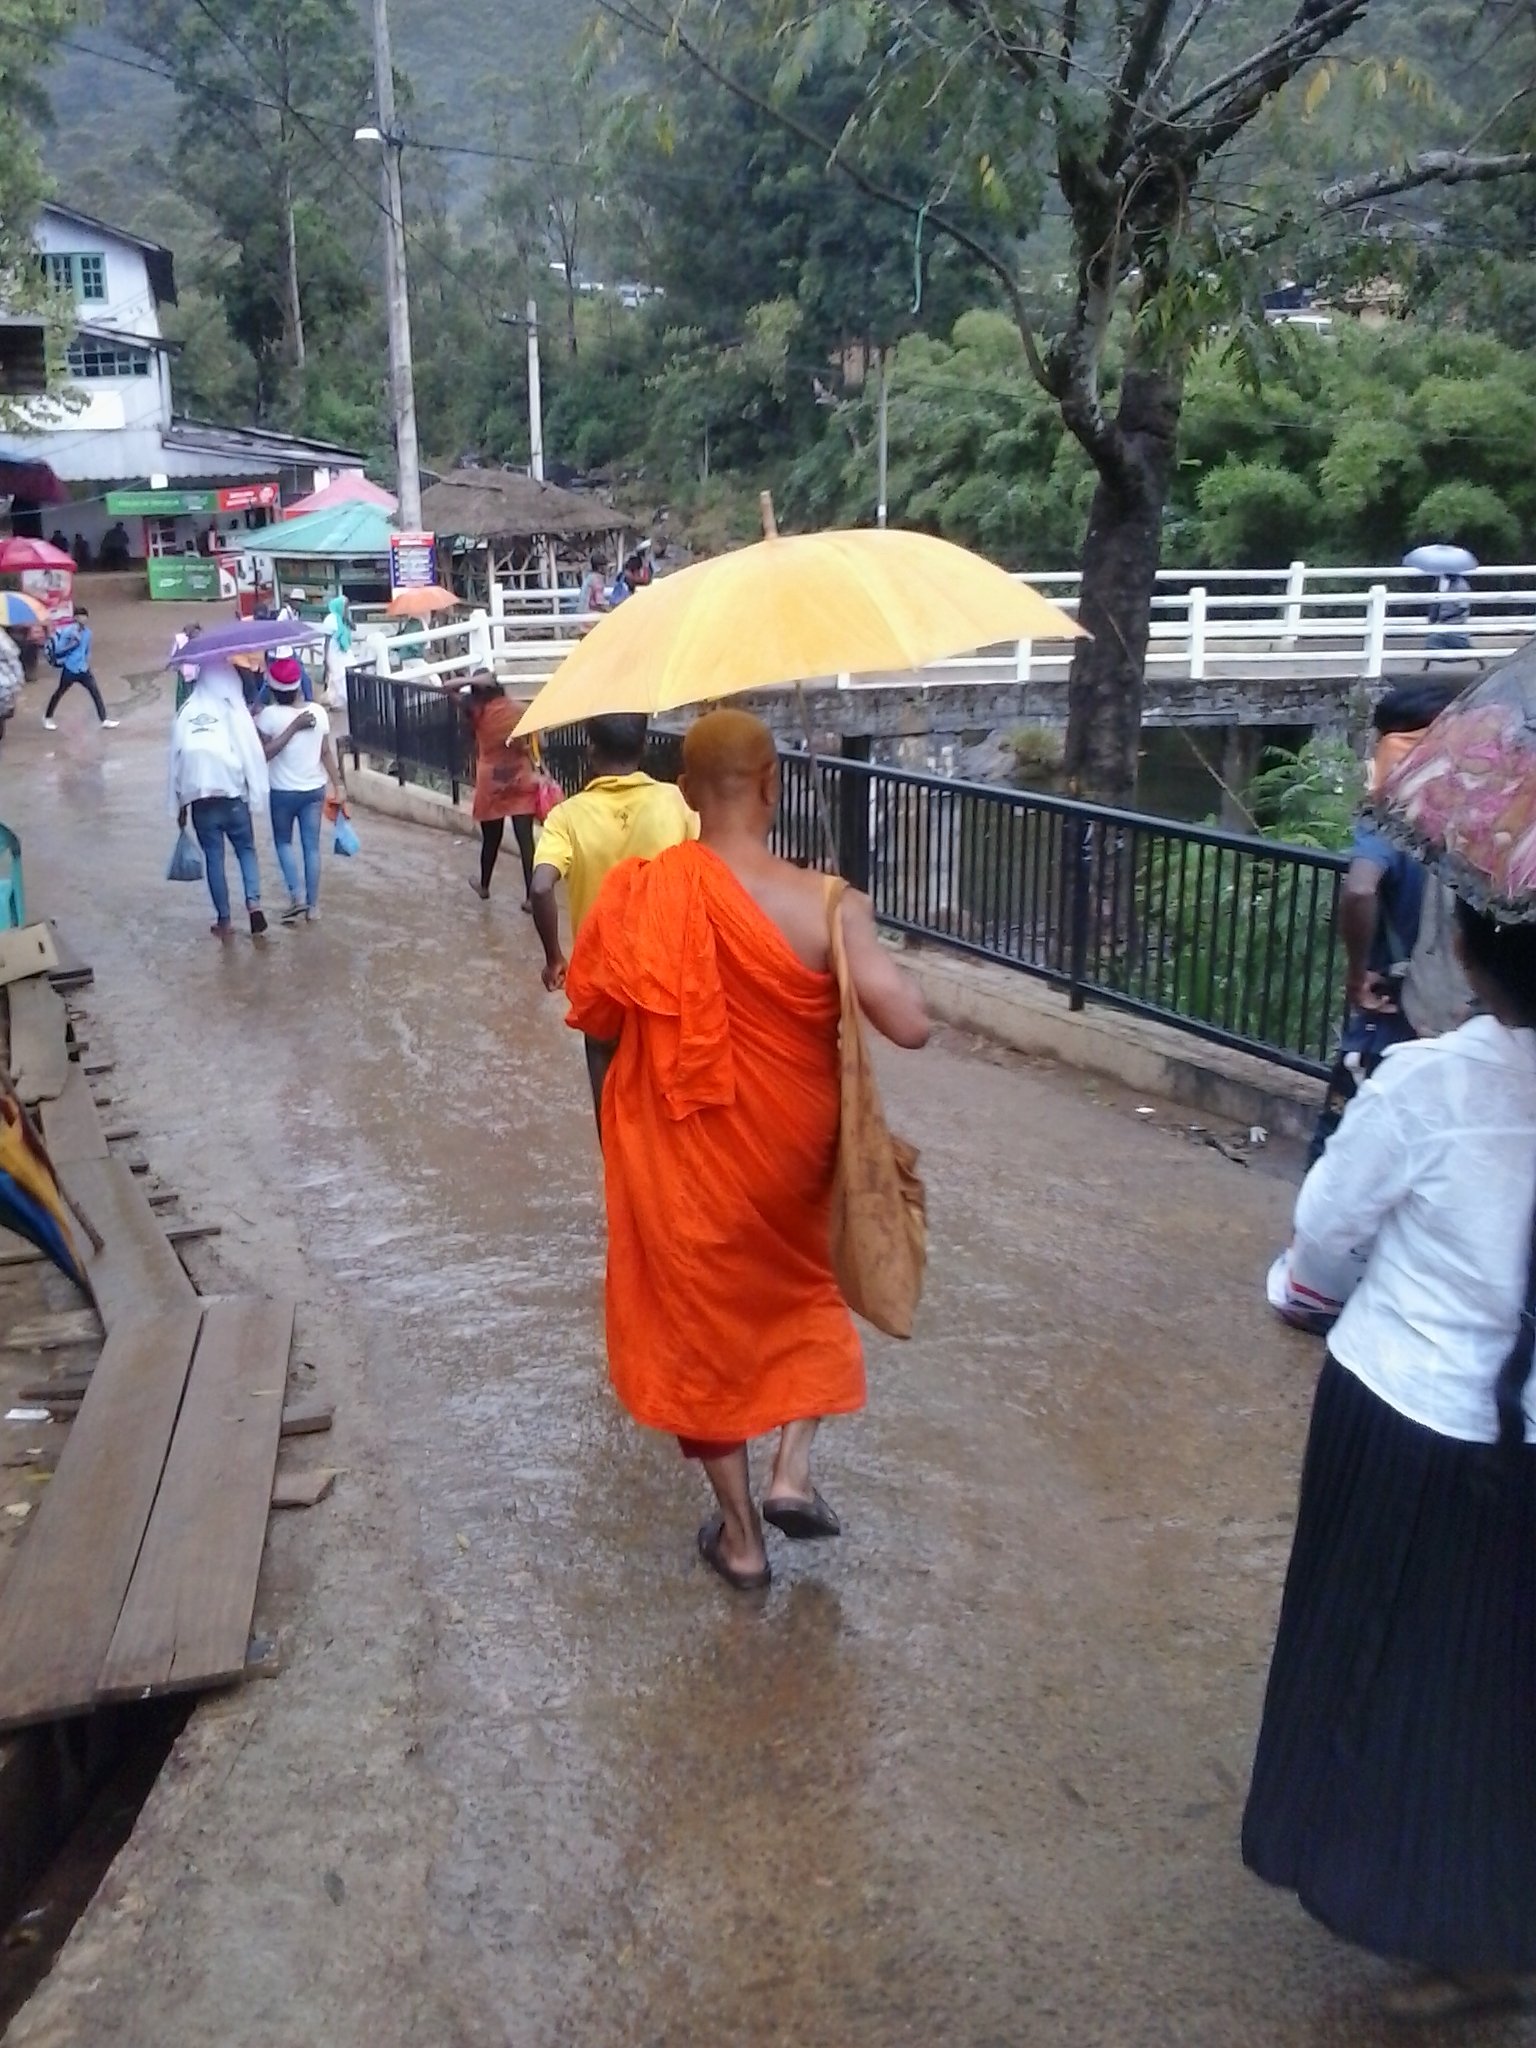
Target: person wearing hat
302	766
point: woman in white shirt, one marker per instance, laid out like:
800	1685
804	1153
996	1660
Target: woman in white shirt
218	776
302	766
1394	1788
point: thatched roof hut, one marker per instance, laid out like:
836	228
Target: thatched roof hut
500	525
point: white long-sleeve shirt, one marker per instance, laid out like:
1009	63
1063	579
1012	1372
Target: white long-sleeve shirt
1434	1169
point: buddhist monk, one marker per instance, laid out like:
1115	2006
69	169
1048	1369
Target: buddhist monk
709	965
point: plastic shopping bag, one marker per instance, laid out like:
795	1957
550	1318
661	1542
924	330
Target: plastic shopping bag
345	841
186	862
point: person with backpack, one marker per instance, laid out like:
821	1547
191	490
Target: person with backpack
68	649
1379	913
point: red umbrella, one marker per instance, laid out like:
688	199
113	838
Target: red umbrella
19	551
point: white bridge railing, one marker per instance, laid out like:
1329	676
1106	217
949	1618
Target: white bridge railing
1207	624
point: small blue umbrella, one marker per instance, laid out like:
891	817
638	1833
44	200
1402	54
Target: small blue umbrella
242	636
1440	558
17	610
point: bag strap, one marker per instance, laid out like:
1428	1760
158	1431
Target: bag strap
1509	1387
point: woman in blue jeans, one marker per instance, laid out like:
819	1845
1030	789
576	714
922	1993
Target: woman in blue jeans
301	766
218	774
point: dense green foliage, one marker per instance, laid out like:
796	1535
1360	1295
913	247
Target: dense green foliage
781	283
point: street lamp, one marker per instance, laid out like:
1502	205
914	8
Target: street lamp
390	143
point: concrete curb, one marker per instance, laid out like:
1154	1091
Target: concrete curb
1015	1010
1030	1017
372	790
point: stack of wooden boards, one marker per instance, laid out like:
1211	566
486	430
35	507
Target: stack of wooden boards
137	1574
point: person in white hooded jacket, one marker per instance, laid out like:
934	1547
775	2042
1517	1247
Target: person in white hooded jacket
218	777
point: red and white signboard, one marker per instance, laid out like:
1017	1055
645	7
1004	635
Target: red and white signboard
248	497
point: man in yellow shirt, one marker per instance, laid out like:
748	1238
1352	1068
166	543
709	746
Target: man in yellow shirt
622	814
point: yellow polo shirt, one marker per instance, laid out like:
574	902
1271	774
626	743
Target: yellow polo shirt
616	817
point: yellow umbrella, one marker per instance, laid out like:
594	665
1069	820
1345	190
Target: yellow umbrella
786	609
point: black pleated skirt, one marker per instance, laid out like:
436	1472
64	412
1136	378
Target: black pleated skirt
1394	1788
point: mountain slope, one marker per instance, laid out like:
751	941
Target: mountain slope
114	120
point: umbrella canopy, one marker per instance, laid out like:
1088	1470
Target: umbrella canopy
422	602
789	608
242	636
22	478
1440	558
1465	798
19	551
351	489
345	532
17	609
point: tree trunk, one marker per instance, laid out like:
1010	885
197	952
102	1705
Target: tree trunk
294	308
1120	561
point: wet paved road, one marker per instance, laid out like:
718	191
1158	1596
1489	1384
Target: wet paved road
530	1777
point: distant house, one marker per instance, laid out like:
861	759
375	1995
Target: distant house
120	430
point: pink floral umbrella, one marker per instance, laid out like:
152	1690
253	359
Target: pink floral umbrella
1465	798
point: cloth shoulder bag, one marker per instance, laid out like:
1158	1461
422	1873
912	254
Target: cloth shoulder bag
879	1208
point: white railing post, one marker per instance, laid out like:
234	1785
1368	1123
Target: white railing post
1023	655
1295	597
498	615
1197	635
1376	630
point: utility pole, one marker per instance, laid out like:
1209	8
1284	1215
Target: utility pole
535	394
401	375
884	444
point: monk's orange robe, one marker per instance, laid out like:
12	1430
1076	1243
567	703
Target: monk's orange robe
719	1138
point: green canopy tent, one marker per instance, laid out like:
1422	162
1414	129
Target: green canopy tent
345	549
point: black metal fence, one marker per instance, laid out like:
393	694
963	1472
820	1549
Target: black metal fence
1232	938
417	731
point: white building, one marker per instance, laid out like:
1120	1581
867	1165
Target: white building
119	428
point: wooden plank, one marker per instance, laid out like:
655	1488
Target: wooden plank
72	1125
304	1489
307	1418
136	1273
186	1620
71	971
39	1055
54	1332
60	1603
30	950
64	1386
187	1233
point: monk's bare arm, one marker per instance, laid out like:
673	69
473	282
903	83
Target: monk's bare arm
888	995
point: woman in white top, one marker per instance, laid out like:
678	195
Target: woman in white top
302	765
218	775
1394	1788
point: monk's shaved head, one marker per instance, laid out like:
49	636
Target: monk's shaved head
731	774
727	750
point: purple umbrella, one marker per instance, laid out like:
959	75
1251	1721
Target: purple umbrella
242	636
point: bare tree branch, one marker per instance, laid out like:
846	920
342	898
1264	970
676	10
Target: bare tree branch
1284	56
1432	167
1140	55
1176	48
1068	40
